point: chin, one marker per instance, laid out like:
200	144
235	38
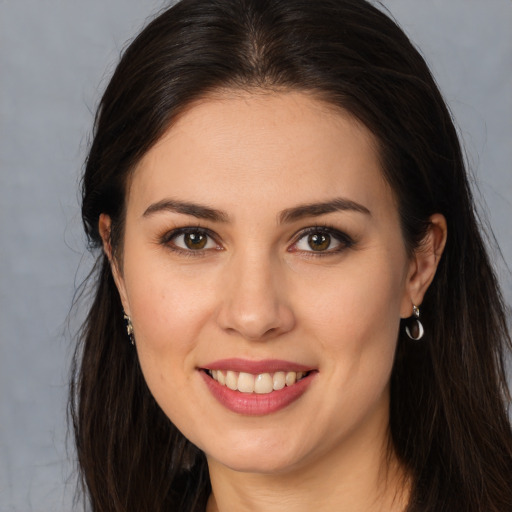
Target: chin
263	465
257	457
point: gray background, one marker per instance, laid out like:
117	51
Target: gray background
55	58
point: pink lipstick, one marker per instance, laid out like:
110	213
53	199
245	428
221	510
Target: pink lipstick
256	387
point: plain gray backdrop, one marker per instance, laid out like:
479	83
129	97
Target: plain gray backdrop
55	58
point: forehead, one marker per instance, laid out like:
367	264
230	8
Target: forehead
251	147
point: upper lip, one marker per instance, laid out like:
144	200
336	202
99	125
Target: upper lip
257	367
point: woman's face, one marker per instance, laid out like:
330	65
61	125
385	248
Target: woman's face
263	249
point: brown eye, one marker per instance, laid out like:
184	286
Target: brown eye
319	241
323	241
195	241
190	240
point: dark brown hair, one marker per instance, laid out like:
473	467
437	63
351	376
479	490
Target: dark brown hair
449	397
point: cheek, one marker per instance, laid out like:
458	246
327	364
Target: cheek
358	299
356	325
168	308
169	311
355	318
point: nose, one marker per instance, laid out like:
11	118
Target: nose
254	299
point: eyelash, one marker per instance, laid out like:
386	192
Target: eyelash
168	238
345	241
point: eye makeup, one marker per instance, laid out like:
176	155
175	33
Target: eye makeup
315	241
321	241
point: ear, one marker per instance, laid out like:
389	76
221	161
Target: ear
104	228
423	264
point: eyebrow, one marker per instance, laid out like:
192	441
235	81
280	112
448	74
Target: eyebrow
317	209
195	210
286	216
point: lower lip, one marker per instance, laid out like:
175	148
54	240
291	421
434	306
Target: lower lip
254	404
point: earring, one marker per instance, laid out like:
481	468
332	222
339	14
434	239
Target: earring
129	328
414	329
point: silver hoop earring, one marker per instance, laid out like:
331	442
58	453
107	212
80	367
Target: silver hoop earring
414	328
129	328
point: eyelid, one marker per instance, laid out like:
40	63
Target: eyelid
167	238
345	241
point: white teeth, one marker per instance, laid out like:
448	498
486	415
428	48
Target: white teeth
245	382
291	378
231	380
279	380
262	383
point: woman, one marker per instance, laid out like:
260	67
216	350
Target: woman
279	193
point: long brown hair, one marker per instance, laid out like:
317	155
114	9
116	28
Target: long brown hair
449	396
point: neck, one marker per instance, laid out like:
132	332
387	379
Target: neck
356	478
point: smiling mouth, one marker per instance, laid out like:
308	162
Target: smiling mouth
262	383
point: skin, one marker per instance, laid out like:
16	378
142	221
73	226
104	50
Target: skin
258	291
